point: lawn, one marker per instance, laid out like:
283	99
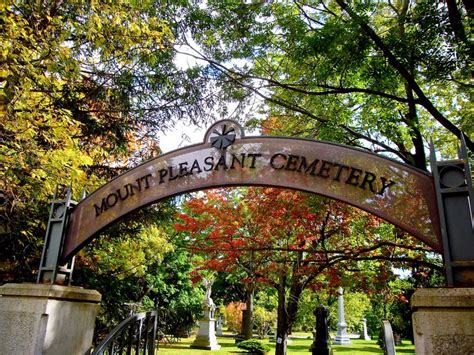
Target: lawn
228	346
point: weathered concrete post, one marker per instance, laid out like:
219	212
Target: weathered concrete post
443	321
45	319
321	345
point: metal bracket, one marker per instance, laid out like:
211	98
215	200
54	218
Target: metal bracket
50	271
454	194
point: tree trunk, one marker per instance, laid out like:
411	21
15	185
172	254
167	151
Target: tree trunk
247	321
282	322
293	302
296	289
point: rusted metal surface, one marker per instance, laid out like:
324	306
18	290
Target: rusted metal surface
395	192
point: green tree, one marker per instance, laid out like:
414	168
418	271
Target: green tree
84	89
173	292
123	263
264	321
383	76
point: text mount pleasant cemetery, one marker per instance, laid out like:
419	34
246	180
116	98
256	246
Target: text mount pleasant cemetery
318	168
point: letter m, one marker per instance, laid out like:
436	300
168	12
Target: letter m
102	208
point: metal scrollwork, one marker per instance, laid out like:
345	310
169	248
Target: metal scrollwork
135	334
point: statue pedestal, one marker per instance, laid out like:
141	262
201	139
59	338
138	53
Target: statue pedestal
342	338
47	319
443	321
206	337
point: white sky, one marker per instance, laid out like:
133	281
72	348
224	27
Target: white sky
180	136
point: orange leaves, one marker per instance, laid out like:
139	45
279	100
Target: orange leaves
216	264
238	243
233	315
266	232
188	224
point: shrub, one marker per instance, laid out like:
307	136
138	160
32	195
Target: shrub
253	346
264	321
233	316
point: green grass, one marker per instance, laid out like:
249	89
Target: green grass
297	346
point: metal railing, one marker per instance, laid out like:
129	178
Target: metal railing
135	335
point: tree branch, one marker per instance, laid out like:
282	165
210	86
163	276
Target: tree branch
398	66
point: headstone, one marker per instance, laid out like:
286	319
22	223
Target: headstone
206	336
219	326
364	335
320	345
272	337
342	338
388	344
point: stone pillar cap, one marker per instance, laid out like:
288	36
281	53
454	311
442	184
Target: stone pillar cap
67	293
443	297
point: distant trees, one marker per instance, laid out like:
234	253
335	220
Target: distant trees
136	268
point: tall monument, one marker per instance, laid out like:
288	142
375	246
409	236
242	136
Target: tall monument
206	336
341	337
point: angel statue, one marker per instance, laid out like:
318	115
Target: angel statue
209	306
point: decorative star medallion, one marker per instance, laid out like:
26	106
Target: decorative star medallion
223	138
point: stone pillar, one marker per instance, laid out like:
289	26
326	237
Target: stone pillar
45	319
341	336
443	321
206	336
364	335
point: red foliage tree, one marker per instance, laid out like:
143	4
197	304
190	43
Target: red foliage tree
285	239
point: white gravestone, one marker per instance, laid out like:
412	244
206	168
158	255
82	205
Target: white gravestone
219	326
365	335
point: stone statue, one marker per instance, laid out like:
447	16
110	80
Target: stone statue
206	336
209	306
